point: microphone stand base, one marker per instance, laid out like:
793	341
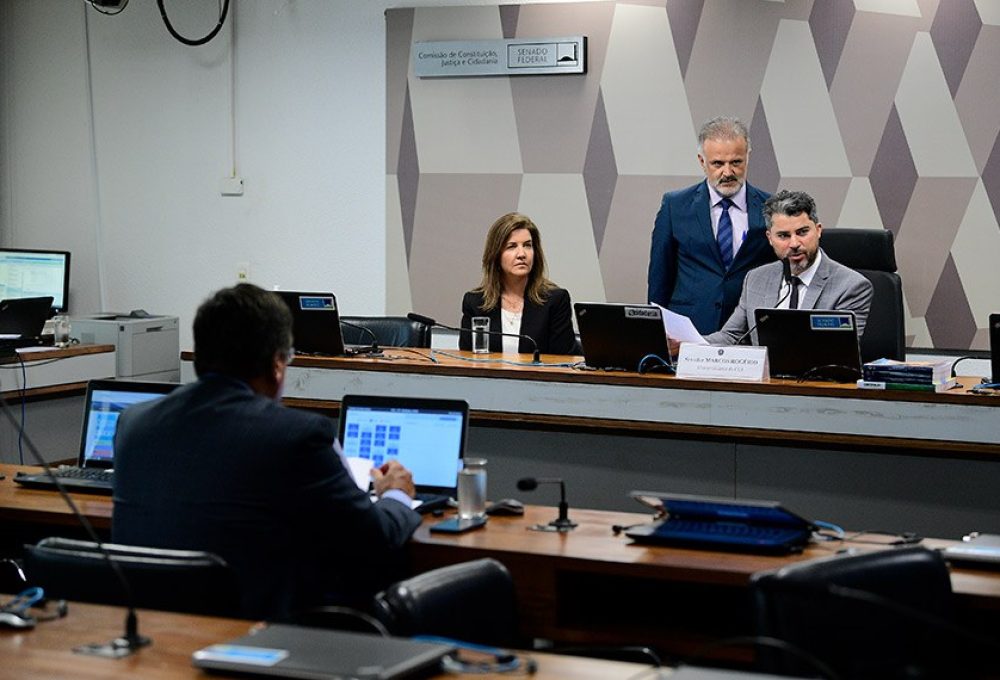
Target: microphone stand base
116	649
554	526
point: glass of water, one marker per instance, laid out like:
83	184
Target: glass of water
60	330
480	340
472	489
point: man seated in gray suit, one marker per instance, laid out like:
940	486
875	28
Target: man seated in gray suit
813	280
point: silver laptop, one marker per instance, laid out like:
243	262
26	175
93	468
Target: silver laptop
425	435
297	652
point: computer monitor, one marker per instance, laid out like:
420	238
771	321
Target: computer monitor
35	273
995	347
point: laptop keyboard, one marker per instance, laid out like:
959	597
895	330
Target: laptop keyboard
92	474
735	530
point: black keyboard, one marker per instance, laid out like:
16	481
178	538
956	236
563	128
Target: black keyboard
93	474
88	480
737	531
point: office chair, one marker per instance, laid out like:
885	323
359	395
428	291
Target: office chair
187	581
872	254
472	601
390	331
883	614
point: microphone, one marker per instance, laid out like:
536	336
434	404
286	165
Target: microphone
375	348
131	641
563	522
427	321
786	277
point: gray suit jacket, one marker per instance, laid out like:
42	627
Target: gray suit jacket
833	287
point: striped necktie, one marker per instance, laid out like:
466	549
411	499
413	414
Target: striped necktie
725	236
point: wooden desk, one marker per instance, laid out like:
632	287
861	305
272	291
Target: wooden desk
583	586
53	401
900	461
46	651
589	585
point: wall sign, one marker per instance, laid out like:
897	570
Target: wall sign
512	57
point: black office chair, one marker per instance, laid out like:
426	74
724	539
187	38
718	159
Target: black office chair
390	331
472	601
871	253
187	581
884	614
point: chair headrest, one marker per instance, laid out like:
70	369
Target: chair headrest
861	248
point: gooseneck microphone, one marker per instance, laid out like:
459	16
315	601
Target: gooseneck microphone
426	320
375	348
131	641
563	522
786	277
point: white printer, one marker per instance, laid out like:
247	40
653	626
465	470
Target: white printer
148	345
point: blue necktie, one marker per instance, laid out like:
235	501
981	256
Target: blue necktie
725	236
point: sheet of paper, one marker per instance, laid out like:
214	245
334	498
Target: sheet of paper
360	467
680	328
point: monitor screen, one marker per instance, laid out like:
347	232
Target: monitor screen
35	273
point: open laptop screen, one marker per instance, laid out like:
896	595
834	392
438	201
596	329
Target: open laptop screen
106	399
427	436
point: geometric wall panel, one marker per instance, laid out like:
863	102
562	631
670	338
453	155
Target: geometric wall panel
887	111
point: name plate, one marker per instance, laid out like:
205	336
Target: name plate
708	362
510	57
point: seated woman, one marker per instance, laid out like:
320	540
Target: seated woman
516	294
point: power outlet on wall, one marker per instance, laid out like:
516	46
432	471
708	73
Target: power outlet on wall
231	186
242	272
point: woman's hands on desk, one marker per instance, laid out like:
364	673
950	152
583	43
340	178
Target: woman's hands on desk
393	475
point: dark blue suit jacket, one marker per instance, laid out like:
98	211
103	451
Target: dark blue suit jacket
685	269
214	466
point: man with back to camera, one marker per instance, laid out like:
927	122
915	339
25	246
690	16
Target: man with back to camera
708	236
220	465
816	280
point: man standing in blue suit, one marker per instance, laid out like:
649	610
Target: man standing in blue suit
708	236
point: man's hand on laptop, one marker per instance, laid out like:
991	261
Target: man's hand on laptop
393	475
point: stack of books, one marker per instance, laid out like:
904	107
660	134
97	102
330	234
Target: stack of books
926	376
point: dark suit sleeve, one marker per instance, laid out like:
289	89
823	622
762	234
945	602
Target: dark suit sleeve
562	340
662	267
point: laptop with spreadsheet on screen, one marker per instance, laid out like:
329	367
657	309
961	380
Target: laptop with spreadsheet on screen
104	403
427	436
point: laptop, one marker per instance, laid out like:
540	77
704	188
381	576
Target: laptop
22	321
286	651
426	435
812	344
617	336
315	322
721	524
105	401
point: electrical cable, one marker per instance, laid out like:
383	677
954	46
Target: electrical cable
665	365
199	41
507	362
24	396
958	361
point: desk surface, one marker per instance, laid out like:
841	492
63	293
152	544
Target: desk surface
585	586
555	394
57	372
591	546
46	651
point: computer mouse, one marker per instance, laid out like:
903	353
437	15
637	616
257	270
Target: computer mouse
15	620
506	506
